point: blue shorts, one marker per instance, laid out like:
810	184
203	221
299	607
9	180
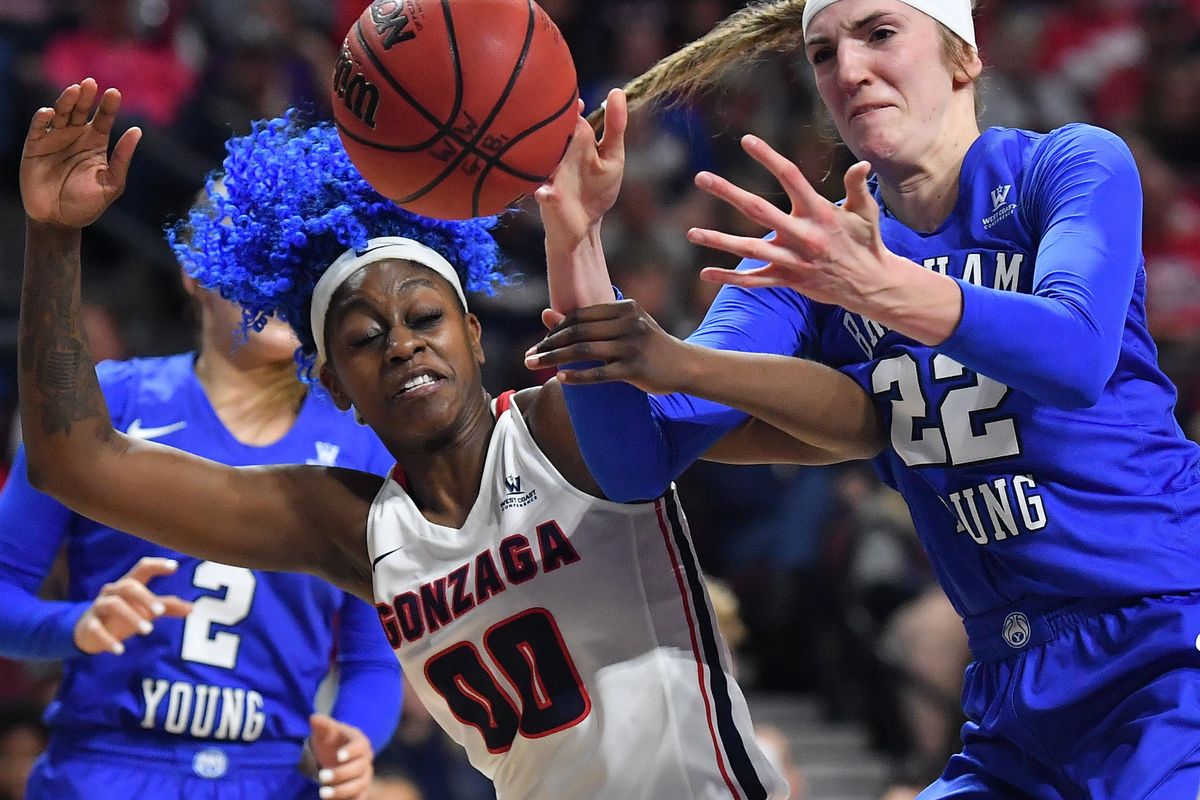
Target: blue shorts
1092	700
99	768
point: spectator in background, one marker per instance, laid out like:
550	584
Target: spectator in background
1014	90
1169	36
107	46
1171	242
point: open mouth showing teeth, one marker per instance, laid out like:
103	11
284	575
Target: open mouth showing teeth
413	383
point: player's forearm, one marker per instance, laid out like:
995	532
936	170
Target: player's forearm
33	628
811	402
64	417
578	275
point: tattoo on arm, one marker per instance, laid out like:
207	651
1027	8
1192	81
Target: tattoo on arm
54	350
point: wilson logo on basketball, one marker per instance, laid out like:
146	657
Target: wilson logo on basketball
391	25
360	96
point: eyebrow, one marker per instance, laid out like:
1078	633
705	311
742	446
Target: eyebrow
854	26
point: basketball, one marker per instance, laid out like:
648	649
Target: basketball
455	108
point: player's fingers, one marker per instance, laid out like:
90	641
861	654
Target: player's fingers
65	104
752	247
138	597
581	316
858	193
616	117
83	106
747	279
588	348
106	113
121	618
174	606
325	738
97	638
118	163
573	354
748	204
347	781
805	199
552	318
38	125
151	567
601	331
604	373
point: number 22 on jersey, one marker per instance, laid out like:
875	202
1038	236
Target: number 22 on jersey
961	438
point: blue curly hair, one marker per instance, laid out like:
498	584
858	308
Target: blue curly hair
285	204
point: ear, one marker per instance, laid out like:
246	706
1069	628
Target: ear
475	330
191	286
329	380
971	69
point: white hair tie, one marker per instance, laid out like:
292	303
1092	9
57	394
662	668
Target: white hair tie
954	14
381	248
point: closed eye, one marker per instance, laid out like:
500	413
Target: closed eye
426	320
364	339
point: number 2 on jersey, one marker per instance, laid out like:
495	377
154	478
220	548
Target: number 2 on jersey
219	649
956	441
528	650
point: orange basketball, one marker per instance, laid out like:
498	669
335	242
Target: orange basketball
455	108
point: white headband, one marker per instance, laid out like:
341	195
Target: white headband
380	248
954	14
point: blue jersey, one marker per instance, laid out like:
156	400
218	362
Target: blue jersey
244	666
1036	448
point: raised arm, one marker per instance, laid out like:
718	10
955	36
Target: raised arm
619	355
286	518
1084	197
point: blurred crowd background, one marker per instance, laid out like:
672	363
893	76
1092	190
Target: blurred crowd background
828	593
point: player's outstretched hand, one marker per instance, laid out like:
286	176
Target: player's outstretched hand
631	345
67	177
586	183
344	758
127	607
833	254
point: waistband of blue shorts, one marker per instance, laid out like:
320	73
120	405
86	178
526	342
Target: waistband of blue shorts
201	757
1025	624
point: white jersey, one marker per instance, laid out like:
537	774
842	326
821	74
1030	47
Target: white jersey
566	642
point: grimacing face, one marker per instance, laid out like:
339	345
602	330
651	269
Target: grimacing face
404	354
883	76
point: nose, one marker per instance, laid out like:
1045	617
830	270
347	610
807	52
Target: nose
403	343
853	67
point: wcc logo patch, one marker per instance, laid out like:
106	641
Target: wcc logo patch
1016	630
1002	209
513	496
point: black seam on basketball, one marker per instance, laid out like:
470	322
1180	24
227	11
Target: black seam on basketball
455	60
500	165
391	148
534	128
442	128
469	147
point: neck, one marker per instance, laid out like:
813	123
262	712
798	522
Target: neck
923	194
258	404
444	474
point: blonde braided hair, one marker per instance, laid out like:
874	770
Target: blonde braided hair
746	34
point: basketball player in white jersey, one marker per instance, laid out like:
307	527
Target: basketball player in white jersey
565	641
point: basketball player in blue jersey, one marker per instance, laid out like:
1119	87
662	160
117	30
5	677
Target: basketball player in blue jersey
187	677
985	292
